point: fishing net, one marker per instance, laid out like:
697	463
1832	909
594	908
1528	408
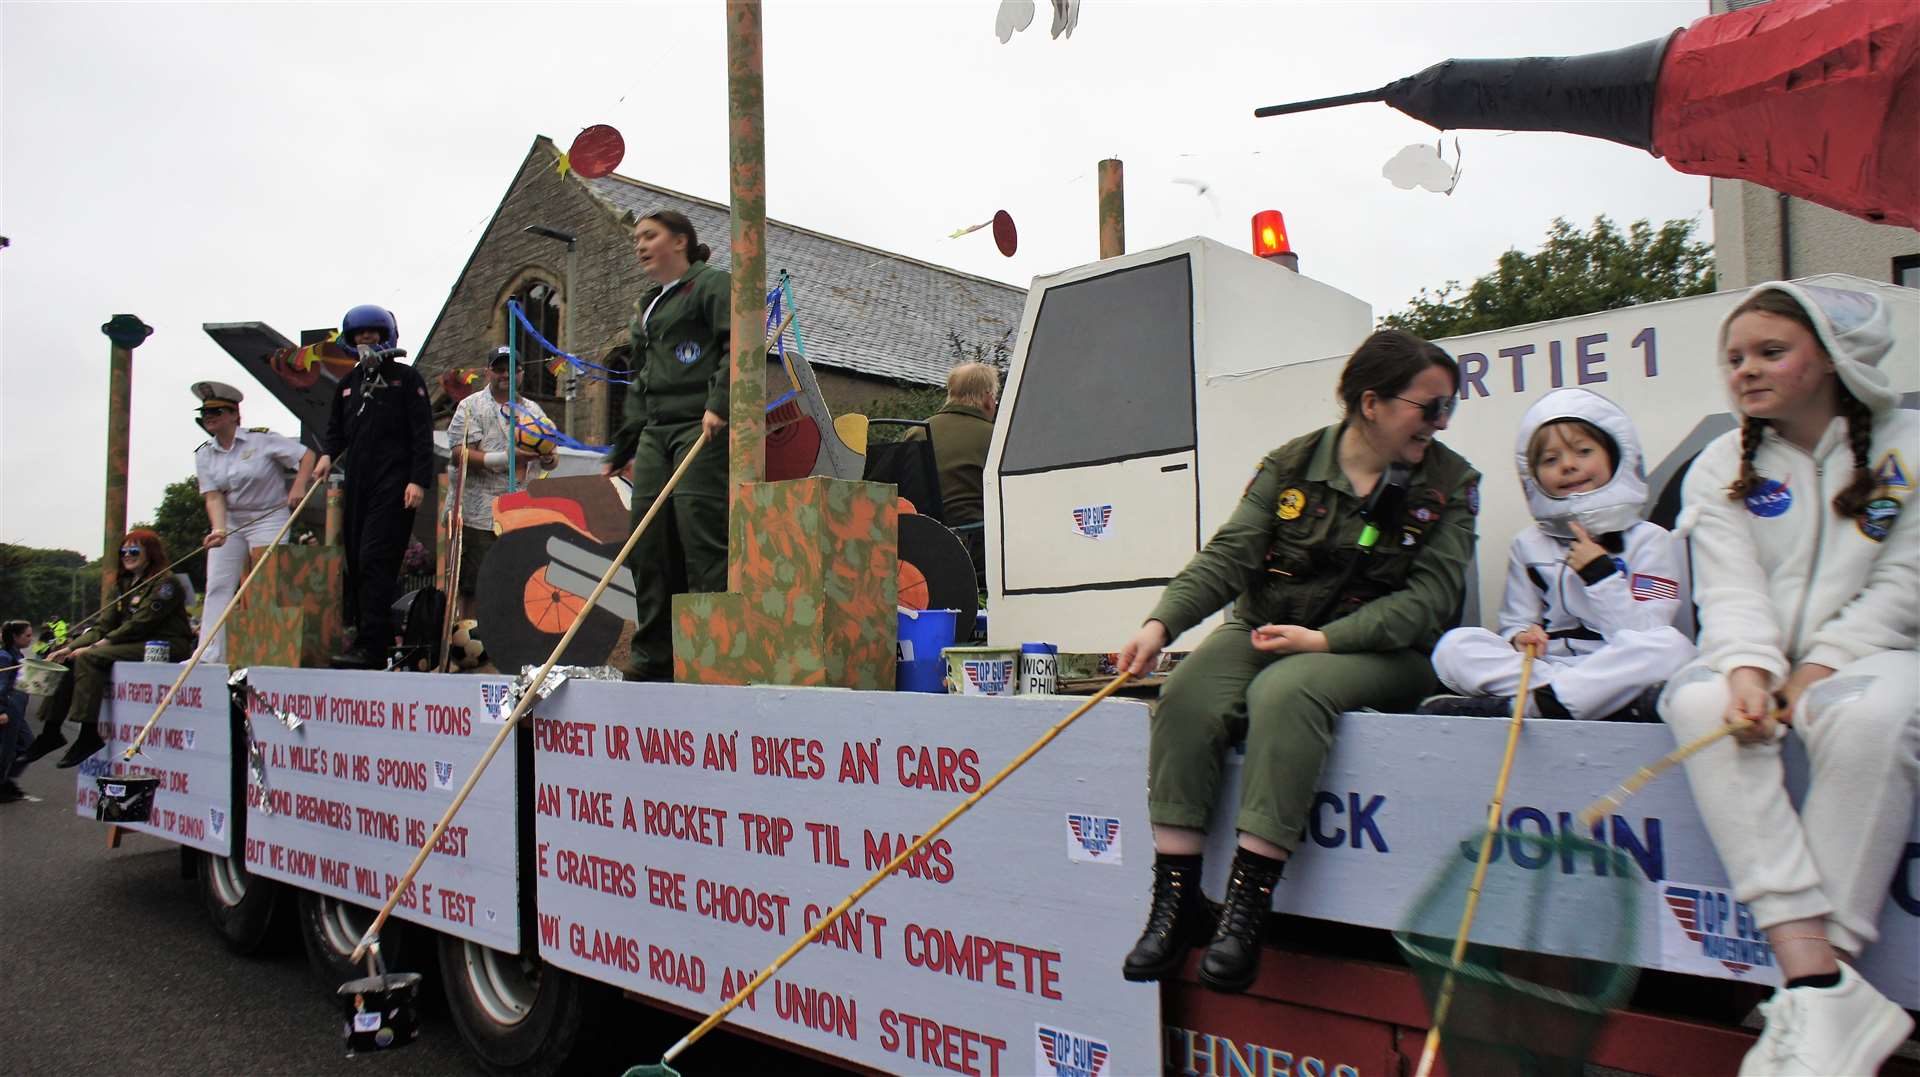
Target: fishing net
1550	952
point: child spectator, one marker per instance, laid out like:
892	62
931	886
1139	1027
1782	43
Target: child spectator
16	644
1809	582
1593	589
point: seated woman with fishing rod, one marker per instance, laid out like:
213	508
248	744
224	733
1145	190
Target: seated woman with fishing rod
1807	575
1345	562
155	613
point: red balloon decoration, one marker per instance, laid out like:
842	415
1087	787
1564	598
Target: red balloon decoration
1004	235
596	151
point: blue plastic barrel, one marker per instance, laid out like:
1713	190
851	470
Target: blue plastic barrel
923	635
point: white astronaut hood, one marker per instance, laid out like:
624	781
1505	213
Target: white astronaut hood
1853	327
1619	504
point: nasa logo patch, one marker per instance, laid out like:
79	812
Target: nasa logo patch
1769	499
1292	502
1876	520
688	352
1473	498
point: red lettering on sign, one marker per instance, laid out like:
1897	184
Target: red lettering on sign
950	1047
1010	965
942	769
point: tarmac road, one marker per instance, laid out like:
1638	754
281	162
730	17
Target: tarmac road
109	966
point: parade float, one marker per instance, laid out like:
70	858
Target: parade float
666	840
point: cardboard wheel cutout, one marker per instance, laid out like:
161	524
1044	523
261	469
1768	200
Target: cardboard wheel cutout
526	604
596	151
1005	236
944	572
792	449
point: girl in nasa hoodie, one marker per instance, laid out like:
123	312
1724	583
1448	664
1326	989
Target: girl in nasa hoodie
1809	596
1593	588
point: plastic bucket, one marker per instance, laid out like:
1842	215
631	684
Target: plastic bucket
39	677
982	671
923	635
382	1012
126	799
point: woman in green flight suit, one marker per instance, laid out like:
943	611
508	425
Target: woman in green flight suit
680	334
1306	639
143	609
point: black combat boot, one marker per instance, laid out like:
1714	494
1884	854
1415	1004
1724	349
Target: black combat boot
1176	921
1233	957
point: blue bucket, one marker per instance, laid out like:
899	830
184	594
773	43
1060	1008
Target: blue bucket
923	635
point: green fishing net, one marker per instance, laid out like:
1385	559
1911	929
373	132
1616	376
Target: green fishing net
1551	951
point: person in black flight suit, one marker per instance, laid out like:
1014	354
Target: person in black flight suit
382	416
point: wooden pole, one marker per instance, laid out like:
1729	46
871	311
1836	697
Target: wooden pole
747	190
1113	209
127	332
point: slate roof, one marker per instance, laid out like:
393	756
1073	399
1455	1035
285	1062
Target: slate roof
860	309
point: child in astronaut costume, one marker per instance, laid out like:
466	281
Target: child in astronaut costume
1809	598
1594	587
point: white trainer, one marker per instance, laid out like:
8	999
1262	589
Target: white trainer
1841	1031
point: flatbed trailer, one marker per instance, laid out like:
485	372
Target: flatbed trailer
669	840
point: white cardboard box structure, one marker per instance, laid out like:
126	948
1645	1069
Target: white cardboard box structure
1145	388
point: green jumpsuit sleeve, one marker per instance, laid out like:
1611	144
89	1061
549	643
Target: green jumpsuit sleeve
716	304
158	615
633	410
1227	566
1416	614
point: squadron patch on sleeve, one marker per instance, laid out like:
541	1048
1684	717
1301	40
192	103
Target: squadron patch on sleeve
1292	503
1876	520
1473	498
165	591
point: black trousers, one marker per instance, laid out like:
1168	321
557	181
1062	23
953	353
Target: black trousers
377	529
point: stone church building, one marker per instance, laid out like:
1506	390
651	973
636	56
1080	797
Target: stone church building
873	324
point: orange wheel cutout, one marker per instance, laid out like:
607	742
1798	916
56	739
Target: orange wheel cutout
912	587
550	609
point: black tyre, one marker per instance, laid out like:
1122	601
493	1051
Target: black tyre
331	928
243	907
520	1017
522	613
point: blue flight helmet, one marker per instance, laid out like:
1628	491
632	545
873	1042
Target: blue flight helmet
368	316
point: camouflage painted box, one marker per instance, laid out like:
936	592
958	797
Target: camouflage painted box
816	560
304	583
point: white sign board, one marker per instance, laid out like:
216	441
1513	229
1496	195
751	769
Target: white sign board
1400	793
354	788
188	750
686	836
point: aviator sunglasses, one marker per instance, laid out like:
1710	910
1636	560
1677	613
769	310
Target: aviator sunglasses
1432	411
129	551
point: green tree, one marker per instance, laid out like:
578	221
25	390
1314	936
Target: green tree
181	521
1573	273
39	585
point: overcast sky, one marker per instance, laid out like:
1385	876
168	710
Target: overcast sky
214	163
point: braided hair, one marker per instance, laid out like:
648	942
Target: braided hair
1850	501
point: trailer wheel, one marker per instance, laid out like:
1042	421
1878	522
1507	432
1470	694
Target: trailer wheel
331	928
241	906
520	1017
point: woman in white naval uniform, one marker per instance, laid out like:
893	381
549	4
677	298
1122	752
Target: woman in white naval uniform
243	480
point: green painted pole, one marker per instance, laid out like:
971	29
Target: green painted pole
747	189
127	332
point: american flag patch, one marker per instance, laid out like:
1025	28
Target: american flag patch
1647	588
